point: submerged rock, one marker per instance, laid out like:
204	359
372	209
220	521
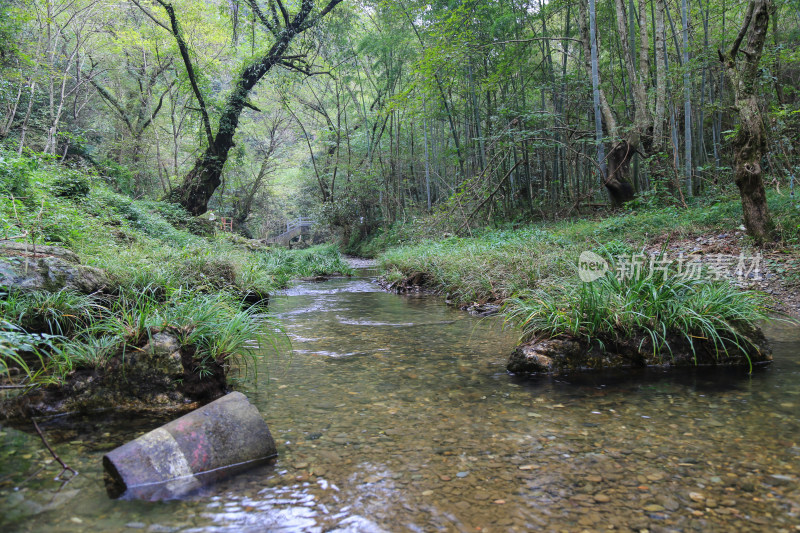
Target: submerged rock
48	268
565	353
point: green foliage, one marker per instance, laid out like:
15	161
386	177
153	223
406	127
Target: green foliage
284	265
147	219
25	352
167	278
118	177
54	313
490	265
494	264
15	173
786	216
218	328
176	215
212	327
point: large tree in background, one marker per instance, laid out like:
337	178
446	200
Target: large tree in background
750	141
281	26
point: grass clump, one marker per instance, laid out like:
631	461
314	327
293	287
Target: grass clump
52	313
284	265
655	310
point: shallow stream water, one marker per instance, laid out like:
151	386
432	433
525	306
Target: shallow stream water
396	414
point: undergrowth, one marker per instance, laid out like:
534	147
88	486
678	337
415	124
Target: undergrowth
493	264
214	327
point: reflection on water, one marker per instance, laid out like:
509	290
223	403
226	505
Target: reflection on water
396	414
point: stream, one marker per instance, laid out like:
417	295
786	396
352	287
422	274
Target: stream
396	413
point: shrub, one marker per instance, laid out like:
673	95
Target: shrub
71	184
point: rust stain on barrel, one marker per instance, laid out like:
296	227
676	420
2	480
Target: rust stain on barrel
210	443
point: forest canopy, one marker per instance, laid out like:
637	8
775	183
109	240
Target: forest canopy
365	113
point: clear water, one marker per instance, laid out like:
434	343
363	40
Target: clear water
396	414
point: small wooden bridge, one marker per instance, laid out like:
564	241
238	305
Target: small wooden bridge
294	228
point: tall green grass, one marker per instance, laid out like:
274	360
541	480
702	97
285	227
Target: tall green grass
285	265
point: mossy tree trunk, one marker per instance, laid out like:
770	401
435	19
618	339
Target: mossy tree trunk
750	142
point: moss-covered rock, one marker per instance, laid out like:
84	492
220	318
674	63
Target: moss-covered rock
48	268
160	375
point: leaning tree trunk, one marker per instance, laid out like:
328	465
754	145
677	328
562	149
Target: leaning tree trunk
200	183
615	167
750	143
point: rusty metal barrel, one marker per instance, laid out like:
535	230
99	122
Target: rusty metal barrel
217	440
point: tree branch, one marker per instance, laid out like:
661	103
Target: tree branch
284	13
260	14
307	70
157	109
742	31
529	40
150	15
113	102
187	61
274	11
327	9
251	106
64	466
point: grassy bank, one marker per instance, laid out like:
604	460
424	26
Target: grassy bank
496	264
168	271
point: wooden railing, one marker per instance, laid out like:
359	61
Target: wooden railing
226	224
